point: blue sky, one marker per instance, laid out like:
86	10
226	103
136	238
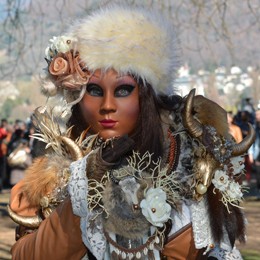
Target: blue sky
2	13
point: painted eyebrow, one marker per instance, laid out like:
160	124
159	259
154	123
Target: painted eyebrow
123	75
126	79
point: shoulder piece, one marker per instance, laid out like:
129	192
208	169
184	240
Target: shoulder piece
216	154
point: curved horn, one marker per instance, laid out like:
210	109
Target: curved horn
244	145
74	149
193	126
31	222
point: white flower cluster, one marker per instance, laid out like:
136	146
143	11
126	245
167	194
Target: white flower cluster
230	189
58	44
237	164
155	208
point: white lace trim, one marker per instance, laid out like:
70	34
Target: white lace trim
78	187
222	254
90	225
201	228
92	234
200	225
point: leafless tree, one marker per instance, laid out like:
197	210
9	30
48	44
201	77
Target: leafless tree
212	32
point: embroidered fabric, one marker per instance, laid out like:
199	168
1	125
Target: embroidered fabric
90	224
221	254
77	187
92	234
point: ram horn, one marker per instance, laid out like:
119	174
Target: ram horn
244	145
73	148
193	126
30	222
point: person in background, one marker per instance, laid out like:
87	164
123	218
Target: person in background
18	140
3	136
129	171
234	130
254	152
4	147
243	119
249	107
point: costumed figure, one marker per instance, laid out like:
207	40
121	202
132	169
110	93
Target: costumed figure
129	172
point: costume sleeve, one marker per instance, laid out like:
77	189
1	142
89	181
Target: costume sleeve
58	237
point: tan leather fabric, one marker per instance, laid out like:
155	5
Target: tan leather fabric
181	246
58	237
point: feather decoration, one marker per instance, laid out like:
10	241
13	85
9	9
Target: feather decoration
47	130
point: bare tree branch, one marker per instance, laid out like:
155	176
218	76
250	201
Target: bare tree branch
211	31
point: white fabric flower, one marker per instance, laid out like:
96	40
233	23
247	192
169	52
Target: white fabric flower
58	44
237	164
220	180
234	191
155	208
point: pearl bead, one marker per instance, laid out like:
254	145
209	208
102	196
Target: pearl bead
153	210
135	206
201	189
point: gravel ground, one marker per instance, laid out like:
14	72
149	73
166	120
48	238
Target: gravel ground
251	207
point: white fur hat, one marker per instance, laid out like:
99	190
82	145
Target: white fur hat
130	40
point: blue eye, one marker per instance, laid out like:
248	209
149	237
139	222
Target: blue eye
123	90
94	90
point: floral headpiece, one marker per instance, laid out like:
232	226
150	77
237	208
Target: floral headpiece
66	77
66	69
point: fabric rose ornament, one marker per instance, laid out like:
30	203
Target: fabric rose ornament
155	208
68	71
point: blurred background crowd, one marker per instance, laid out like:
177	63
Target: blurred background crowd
16	151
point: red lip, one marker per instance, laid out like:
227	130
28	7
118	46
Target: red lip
108	123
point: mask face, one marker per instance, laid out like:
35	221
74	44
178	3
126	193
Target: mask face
111	104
